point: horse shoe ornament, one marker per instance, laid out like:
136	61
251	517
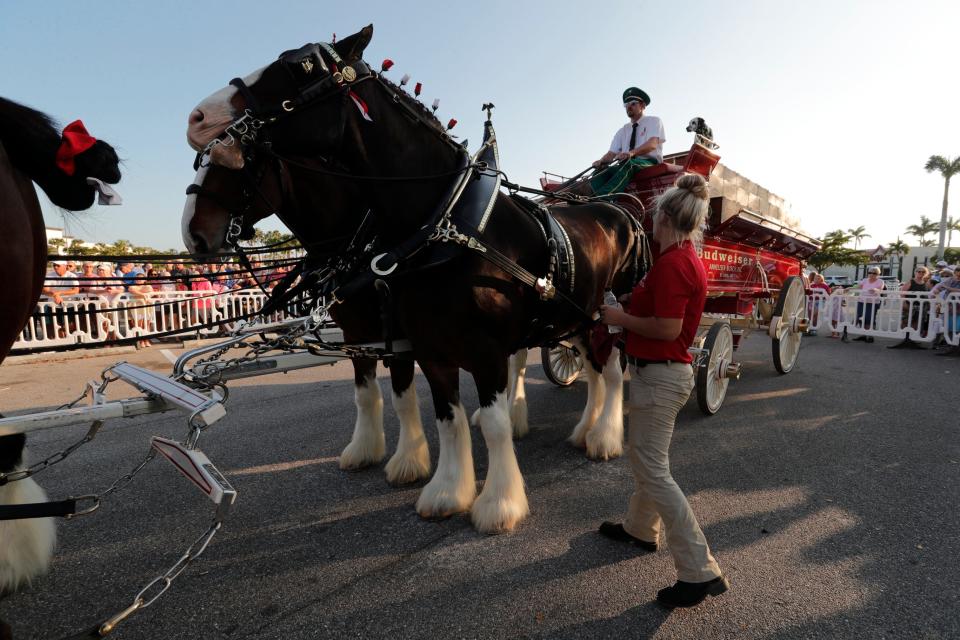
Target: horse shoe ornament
382	272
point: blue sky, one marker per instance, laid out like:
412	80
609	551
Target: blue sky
833	105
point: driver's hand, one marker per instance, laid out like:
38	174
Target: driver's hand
623	155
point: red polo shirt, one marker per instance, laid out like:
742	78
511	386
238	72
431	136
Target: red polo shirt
676	287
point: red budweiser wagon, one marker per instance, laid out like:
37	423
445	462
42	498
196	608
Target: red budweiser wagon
754	261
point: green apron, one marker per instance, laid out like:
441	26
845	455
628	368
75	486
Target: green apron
614	179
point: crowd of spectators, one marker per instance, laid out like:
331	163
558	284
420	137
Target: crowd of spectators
141	282
924	292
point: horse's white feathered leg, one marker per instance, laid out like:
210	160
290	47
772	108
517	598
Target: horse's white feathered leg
26	546
503	502
605	439
453	487
368	444
595	396
411	461
518	393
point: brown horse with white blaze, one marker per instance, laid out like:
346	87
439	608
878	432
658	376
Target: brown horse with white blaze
324	103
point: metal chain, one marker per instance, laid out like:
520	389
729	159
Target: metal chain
51	460
62	455
123	480
162	583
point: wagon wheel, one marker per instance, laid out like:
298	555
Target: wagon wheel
712	375
788	324
561	364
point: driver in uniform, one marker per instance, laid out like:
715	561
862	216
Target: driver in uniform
636	145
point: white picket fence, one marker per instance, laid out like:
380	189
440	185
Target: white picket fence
93	319
889	314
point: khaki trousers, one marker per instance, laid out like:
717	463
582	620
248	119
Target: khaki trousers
657	393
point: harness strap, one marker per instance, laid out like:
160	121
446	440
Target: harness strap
386	262
60	509
505	263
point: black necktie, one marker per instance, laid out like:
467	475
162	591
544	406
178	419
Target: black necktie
633	137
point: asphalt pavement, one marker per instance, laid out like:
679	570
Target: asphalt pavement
829	496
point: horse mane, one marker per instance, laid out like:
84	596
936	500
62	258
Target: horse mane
413	103
30	137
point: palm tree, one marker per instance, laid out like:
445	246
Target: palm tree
121	247
927	243
898	248
952	225
921	230
858	234
77	247
55	246
948	167
837	237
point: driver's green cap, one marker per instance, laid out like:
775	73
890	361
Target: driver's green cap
633	94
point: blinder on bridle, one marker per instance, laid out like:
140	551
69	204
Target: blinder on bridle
318	72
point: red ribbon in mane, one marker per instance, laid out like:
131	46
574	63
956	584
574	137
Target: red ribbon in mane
76	140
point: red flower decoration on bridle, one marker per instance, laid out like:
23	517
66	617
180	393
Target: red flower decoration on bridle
75	141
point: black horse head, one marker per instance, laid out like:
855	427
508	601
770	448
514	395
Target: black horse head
313	80
31	140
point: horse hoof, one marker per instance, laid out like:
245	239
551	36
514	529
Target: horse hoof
602	451
407	468
356	457
498	515
439	503
577	441
440	510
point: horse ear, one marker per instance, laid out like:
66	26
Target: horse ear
351	48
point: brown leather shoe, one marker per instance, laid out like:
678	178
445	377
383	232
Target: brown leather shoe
615	531
690	594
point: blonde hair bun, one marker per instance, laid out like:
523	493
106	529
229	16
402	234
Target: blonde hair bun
683	209
695	184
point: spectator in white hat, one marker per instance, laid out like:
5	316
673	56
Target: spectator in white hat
60	282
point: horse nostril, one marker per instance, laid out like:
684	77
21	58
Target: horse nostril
199	244
196	117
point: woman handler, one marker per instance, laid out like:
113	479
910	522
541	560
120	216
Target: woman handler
664	314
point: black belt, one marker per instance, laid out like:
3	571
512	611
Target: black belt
641	362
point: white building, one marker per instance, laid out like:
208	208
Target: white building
57	233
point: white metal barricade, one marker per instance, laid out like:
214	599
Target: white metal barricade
93	319
950	319
897	315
